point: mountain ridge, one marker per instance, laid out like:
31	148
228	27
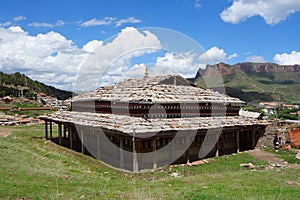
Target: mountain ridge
15	83
226	69
253	82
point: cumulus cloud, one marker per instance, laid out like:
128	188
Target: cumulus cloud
213	55
287	59
272	11
257	59
183	64
49	58
109	62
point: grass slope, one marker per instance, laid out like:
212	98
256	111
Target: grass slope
257	87
33	168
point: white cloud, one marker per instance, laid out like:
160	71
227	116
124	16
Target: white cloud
182	64
49	58
213	55
6	24
131	20
232	56
272	11
19	18
287	59
109	21
257	59
98	22
110	61
197	4
47	25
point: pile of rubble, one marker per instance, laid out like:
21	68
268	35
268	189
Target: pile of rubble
8	120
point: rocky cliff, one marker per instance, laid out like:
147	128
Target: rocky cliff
225	69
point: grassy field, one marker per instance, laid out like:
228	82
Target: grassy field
33	168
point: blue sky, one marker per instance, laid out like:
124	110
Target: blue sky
48	40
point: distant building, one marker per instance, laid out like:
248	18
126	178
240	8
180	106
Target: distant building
149	122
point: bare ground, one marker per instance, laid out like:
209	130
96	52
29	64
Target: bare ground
4	132
271	158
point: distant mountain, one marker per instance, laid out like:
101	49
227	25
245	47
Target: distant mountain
253	82
15	84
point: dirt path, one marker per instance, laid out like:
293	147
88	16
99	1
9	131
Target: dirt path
271	158
4	132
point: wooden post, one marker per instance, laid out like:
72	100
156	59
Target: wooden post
253	138
59	134
187	153
154	152
173	150
121	154
46	130
50	130
65	131
135	161
237	141
98	146
218	147
71	137
82	145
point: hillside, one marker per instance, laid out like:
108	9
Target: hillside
12	84
253	82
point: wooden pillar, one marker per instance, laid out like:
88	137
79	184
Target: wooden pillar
173	150
46	130
59	134
98	155
237	141
188	150
218	147
82	139
71	137
253	138
121	154
51	130
135	161
65	131
154	153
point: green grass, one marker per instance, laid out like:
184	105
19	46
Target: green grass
34	168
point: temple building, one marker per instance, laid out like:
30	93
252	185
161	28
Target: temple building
150	122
